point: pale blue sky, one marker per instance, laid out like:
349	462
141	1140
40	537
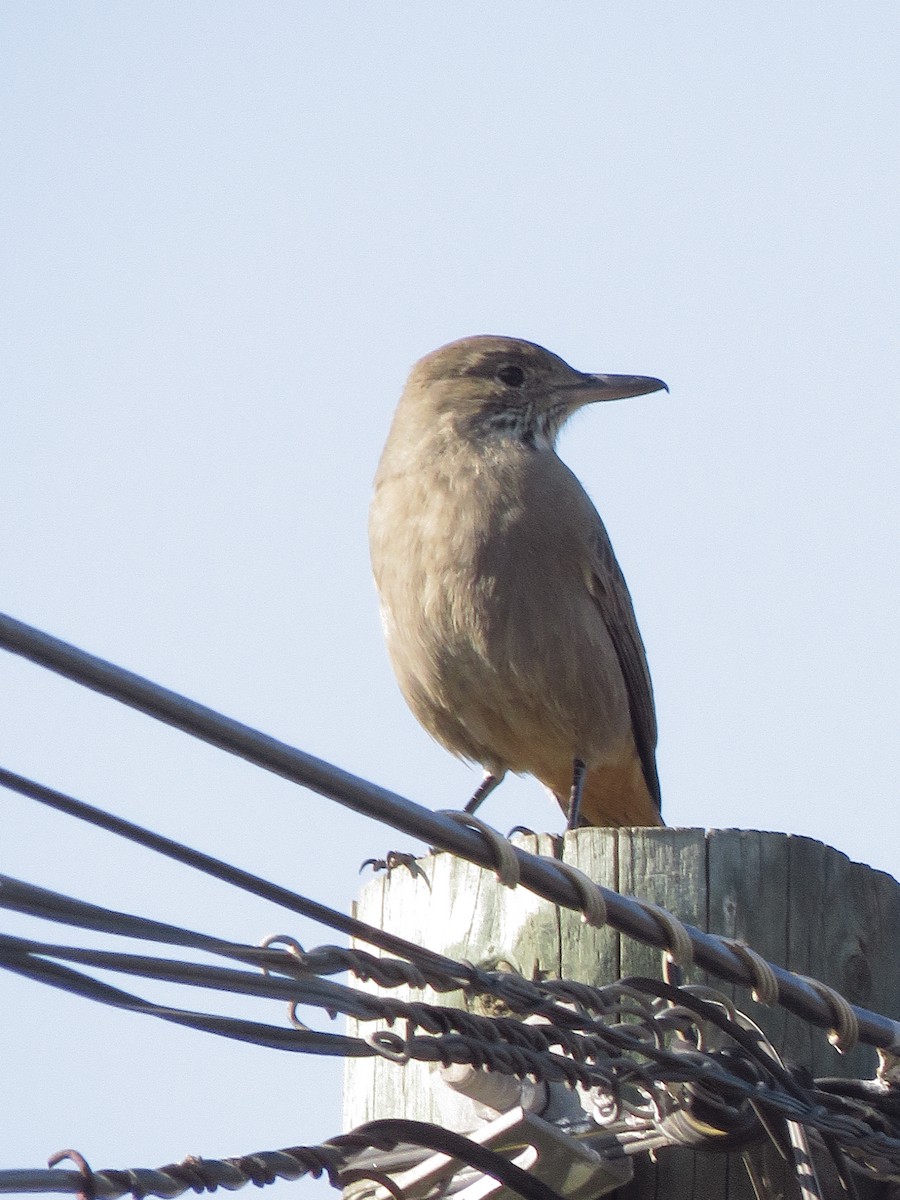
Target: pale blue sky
228	230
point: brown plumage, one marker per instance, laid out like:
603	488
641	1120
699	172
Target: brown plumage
506	615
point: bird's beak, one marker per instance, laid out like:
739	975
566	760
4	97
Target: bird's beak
588	389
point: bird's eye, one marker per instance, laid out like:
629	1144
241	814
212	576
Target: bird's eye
514	376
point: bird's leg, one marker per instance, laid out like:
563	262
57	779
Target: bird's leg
484	789
397	858
578	770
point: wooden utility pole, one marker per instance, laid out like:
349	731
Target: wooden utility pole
799	903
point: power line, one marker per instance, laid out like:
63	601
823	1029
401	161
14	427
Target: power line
539	874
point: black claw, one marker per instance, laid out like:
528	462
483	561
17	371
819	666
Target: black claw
377	864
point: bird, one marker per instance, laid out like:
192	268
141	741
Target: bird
507	618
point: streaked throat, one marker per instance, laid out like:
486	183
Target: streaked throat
535	428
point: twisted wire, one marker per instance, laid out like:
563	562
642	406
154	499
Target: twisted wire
343	1159
641	1033
538	873
617	1062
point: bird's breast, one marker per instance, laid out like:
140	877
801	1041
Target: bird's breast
480	562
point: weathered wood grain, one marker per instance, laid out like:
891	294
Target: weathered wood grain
801	904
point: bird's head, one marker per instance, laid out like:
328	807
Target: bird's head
493	386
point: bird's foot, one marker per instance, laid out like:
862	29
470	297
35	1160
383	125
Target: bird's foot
393	859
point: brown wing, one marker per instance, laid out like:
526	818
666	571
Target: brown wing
608	587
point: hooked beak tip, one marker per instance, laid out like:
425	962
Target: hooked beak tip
619	387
